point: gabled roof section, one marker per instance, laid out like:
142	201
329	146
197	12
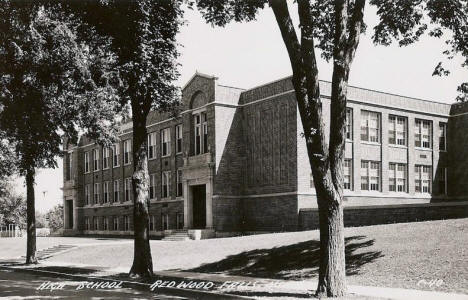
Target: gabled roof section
198	74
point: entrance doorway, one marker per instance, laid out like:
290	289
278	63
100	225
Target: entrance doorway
70	213
199	206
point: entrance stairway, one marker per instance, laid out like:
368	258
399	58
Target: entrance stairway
177	235
49	252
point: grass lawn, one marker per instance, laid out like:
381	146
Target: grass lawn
396	255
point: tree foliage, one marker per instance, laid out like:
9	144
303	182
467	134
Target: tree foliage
55	217
12	206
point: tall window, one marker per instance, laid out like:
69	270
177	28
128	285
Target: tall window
96	192
180	190
165	221
116	154
95	223
423	134
96	159
151	223
443	181
151	145
105	157
397	129
178	130
370	126
87	195
348	174
116	222
349	123
423	178
87	225
180	220
116	190
126	223
128	188
165	184
397	177
370	175
152	188
443	136
166	142
106	191
86	162
127	151
201	133
105	223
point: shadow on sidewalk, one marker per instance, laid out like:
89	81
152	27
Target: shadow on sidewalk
293	262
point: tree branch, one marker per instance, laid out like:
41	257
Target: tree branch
355	29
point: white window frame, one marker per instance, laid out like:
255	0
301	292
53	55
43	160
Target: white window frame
116	155
165	221
127	152
152	145
349	124
152	187
200	132
166	184
348	174
442	136
179	139
152	224
166	142
95	160
398	177
105	158
397	130
86	162
126	223
420	179
106	192
95	223
367	118
373	182
87	195
116	197
87	223
96	191
179	184
105	223
422	140
128	189
115	221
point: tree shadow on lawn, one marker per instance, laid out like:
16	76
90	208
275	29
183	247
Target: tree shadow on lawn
293	262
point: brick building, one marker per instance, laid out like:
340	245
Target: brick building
235	161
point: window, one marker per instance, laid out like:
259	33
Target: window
423	178
116	190
370	126
126	223
87	195
178	130
165	221
96	159
348	174
397	129
86	162
96	193
166	177
443	136
397	177
370	175
180	220
106	192
87	225
116	154
443	181
152	188
128	189
105	223
166	142
69	166
95	223
127	150
423	134
349	124
151	145
201	133
180	190
116	222
151	223
105	158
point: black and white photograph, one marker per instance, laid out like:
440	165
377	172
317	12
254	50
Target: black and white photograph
234	149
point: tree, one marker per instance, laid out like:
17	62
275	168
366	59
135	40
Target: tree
55	217
41	221
334	27
12	206
52	85
143	35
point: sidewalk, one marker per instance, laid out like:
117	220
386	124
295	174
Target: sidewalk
224	286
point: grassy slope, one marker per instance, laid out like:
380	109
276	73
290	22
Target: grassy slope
397	255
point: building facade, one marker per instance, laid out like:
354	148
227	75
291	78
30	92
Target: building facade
235	161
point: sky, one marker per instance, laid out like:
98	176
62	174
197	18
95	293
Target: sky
246	55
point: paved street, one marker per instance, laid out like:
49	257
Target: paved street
21	285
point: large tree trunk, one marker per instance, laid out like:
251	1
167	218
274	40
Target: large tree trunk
142	262
31	218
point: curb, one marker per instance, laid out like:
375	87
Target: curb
181	292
